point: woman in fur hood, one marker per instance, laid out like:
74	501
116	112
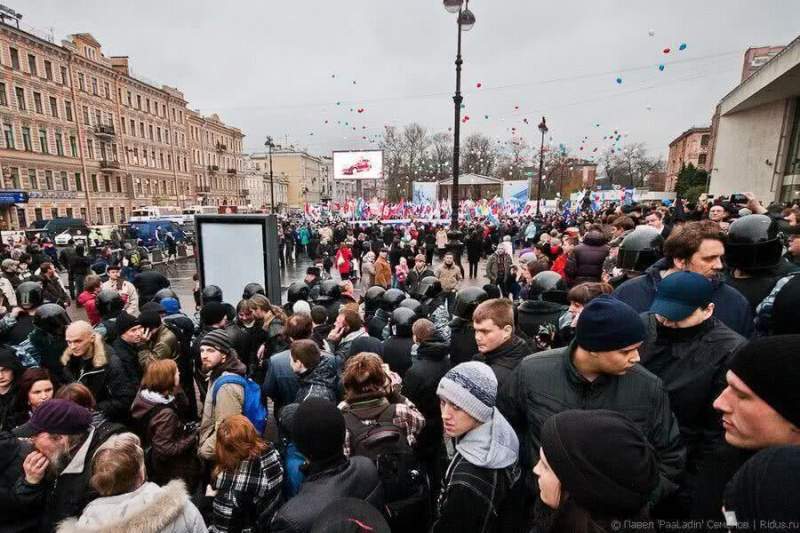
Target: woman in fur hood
129	503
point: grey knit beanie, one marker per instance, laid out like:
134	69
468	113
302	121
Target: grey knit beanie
472	387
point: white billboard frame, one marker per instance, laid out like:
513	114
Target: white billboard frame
344	160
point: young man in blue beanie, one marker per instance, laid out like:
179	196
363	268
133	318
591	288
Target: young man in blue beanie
598	370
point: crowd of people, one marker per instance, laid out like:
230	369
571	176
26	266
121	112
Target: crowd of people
628	369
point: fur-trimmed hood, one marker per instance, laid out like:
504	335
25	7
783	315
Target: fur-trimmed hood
148	509
100	353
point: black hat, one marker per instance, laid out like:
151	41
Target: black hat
8	359
319	430
350	515
765	489
153	306
608	324
784	318
213	313
770	366
613	474
126	321
313	271
150	319
219	340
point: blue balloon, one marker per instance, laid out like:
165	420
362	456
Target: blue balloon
661	68
682	46
619	81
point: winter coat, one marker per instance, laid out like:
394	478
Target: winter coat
397	353
173	450
439	314
342	350
128	292
53	291
692	364
343	261
538	316
20	502
462	341
15	330
477	483
585	263
548	383
414	277
248	496
505	358
441	239
163	344
367	275
383	273
419	386
148	509
148	283
474	248
229	402
356	477
497	267
322	381
730	307
87	301
449	277
281	383
70	493
377	324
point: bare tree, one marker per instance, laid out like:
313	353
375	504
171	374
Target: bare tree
392	146
441	153
630	165
478	155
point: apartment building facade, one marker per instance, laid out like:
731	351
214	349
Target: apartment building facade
218	162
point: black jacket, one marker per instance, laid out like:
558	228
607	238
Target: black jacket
419	386
111	384
414	277
356	477
462	341
548	383
20	502
148	283
53	292
586	261
692	364
8	407
19	332
376	324
532	314
397	353
322	381
505	359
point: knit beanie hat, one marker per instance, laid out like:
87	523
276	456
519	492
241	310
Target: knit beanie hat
60	417
784	310
126	321
765	489
770	366
471	386
9	360
212	313
318	430
150	319
611	475
350	515
219	340
608	324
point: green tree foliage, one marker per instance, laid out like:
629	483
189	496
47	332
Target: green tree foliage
691	182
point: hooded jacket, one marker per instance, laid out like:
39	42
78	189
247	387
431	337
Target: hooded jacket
229	402
505	358
397	353
163	344
532	314
87	300
148	509
586	261
322	381
548	383
480	476
383	273
730	307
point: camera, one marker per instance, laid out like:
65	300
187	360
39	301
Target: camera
738	199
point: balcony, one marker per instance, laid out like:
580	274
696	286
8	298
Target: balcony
231	171
203	188
108	164
213	168
104	130
221	147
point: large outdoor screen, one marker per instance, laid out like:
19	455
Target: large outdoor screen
361	165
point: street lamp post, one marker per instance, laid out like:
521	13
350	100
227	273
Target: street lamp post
270	145
466	20
543	129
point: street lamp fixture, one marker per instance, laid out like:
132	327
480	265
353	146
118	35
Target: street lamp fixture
453	6
270	145
466	20
543	129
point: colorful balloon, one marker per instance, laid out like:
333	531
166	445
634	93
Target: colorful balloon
478	85
651	33
666	50
661	68
619	81
682	46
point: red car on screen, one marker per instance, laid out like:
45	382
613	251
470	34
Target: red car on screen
362	165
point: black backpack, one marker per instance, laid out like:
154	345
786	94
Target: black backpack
404	482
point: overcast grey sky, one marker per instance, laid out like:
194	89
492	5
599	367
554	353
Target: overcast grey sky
268	66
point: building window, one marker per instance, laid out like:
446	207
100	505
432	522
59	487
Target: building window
70	212
73	146
138	101
86	115
119	184
68	110
26	139
133	127
14	58
169	161
94	86
32	64
48	70
83	214
150	131
48	180
8	131
111	215
38	213
98	117
59	144
3	97
99	215
701	160
37	103
166	135
81	81
147	100
53	212
54	106
94	182
124	126
20	98
107	90
64	181
43	144
33	178
704	140
161	156
64	76
14	184
78	182
107	182
122	214
90	148
141	130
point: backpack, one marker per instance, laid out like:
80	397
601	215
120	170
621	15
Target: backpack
252	407
184	337
402	476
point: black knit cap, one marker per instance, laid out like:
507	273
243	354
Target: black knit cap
126	321
770	366
9	360
766	487
608	324
784	311
318	430
219	340
350	515
212	313
602	459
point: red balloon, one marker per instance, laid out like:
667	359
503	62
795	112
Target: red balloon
666	50
478	85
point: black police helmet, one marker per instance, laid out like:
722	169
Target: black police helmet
29	294
753	243
547	281
211	293
52	319
391	299
428	287
165	293
297	291
372	299
413	304
402	319
329	291
640	249
109	303
467	300
252	289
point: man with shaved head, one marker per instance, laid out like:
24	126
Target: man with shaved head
88	360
